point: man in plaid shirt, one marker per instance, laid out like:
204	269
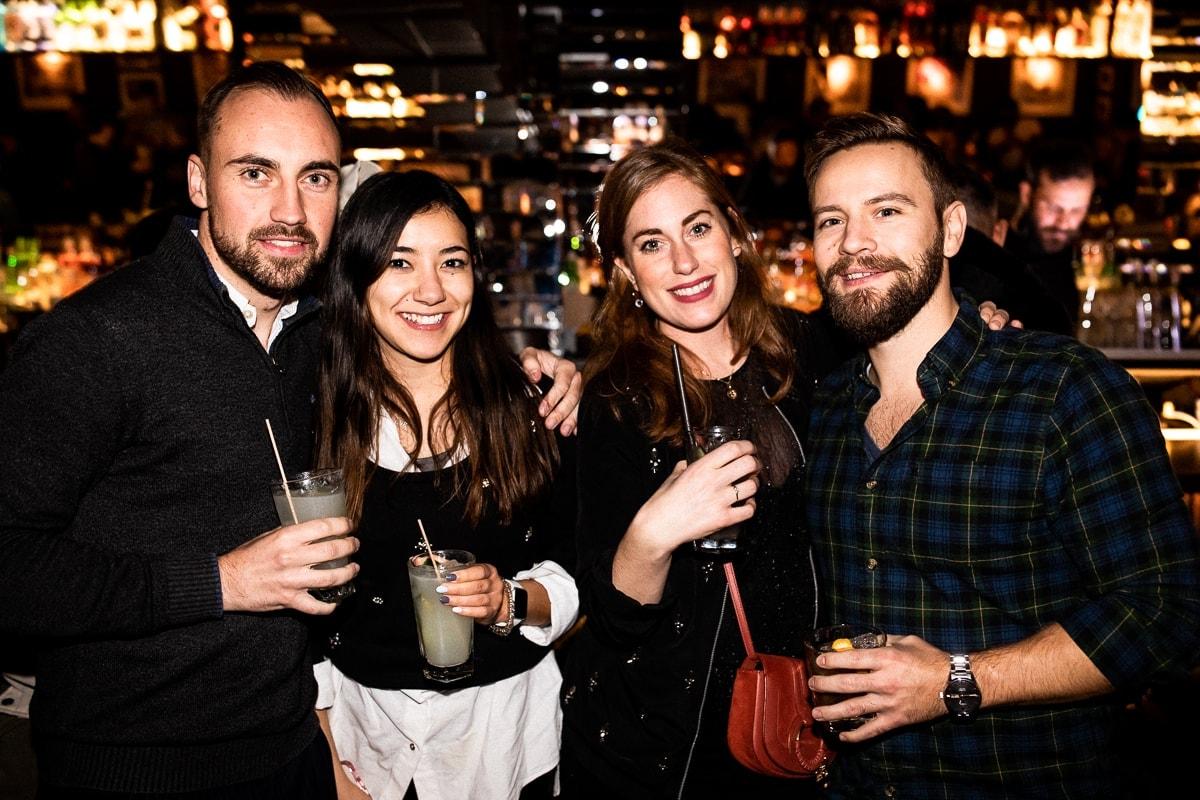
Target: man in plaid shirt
999	502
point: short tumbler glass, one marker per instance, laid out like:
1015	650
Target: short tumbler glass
722	543
836	638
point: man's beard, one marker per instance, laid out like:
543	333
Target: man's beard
272	276
1062	239
871	319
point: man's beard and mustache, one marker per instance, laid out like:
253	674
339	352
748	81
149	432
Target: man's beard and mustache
1055	240
269	275
869	318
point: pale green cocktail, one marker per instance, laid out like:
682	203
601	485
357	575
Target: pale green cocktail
445	638
316	495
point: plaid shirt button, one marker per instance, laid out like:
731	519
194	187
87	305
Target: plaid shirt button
871	484
872	563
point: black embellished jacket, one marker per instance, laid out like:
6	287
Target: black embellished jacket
646	689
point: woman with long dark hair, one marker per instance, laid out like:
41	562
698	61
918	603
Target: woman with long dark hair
428	413
647	690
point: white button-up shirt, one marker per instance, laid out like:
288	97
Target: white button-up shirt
482	742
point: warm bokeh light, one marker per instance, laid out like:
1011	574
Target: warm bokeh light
372	70
839	73
1043	73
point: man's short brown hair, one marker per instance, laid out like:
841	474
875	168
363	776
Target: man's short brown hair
268	76
843	133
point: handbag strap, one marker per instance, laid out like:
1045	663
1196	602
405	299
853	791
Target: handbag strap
736	595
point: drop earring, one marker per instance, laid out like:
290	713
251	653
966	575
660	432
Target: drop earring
638	302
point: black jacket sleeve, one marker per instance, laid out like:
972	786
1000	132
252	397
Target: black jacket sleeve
615	480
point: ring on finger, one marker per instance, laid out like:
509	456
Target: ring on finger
737	496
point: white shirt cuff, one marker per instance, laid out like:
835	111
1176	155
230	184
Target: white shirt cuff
564	601
323	672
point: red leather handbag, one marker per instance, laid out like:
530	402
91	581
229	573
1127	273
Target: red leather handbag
770	717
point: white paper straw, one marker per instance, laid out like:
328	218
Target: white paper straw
282	474
429	550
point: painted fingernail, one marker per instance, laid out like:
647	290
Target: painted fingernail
441	590
444	600
456	609
453	576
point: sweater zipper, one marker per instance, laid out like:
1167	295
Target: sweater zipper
712	657
277	371
268	359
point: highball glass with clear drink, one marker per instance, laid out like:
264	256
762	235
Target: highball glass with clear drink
446	639
317	494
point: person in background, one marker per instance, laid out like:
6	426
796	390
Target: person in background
774	189
425	408
978	197
1055	198
1000	503
138	541
986	271
648	679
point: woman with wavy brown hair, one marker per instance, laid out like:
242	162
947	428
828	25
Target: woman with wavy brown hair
647	687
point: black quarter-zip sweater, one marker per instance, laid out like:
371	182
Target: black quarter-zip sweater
133	451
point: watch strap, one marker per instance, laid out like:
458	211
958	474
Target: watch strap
960	666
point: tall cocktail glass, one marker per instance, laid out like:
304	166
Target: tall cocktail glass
315	495
446	638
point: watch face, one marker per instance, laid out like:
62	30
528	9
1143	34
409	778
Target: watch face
521	604
962	698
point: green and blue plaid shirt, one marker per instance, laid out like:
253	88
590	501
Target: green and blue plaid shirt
1031	487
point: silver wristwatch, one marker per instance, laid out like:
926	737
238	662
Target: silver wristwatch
961	695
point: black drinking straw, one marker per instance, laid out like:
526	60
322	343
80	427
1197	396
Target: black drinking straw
690	437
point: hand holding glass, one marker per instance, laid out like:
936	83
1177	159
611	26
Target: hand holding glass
837	638
725	541
446	639
315	495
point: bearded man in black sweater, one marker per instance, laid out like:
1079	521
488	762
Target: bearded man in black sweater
138	542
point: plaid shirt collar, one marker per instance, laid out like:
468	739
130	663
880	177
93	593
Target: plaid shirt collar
942	366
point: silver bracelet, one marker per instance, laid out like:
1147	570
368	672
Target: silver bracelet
506	628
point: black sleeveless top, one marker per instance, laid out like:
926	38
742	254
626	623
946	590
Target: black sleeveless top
372	637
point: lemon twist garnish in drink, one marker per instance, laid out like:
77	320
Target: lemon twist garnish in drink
840	645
